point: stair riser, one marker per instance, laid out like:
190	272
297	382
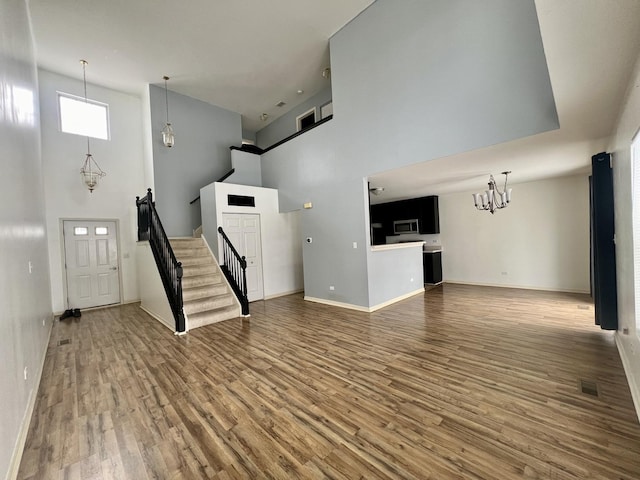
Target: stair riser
196	293
204	306
194	270
201	320
188	261
191	252
189	282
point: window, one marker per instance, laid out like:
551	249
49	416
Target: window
80	231
305	120
79	117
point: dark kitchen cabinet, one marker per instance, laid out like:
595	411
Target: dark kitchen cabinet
432	262
429	217
382	215
425	209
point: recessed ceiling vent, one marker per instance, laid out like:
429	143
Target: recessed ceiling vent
281	104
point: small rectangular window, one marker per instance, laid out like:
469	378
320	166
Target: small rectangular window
305	120
79	117
80	231
102	231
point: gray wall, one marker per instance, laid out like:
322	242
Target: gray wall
25	297
247	169
285	125
200	156
412	81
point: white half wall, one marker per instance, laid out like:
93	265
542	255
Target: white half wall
153	298
628	317
122	157
280	233
541	241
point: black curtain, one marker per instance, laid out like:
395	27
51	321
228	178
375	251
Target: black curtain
603	248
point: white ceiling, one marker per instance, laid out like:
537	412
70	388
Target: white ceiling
241	55
247	56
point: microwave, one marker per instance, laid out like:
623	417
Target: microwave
405	226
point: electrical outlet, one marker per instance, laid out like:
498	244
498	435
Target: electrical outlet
44	322
331	287
30	267
355	244
625	331
26	372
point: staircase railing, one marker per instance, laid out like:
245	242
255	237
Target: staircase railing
234	268
150	228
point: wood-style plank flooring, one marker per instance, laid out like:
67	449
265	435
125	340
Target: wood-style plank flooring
461	382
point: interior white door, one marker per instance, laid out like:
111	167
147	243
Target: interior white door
244	232
91	261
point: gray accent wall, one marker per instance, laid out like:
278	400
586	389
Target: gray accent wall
412	81
285	125
24	292
200	156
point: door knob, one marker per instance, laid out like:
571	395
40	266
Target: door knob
113	268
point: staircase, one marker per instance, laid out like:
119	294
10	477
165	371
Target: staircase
206	295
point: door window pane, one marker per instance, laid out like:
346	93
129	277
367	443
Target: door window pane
102	231
80	231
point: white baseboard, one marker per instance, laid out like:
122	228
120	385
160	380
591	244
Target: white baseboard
18	450
283	294
360	308
332	303
397	299
631	379
521	287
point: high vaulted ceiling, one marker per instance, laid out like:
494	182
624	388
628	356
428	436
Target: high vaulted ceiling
241	55
247	56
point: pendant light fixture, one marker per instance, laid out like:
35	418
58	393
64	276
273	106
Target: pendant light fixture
168	138
91	172
493	199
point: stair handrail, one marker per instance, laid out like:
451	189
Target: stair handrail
150	228
234	268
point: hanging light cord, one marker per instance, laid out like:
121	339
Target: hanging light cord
84	81
166	96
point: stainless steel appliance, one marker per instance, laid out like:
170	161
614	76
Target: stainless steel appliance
405	226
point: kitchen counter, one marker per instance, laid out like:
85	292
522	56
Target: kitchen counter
396	246
432	249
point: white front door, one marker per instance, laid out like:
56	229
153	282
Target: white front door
244	232
91	261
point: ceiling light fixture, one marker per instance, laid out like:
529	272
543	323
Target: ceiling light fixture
376	190
300	92
168	137
264	117
489	199
90	171
326	73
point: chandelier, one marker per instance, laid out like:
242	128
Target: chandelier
168	138
91	172
493	199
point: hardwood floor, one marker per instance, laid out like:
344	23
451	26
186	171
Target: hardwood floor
462	382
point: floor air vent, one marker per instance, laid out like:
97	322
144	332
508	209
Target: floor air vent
66	341
589	387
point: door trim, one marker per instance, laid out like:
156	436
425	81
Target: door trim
63	256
